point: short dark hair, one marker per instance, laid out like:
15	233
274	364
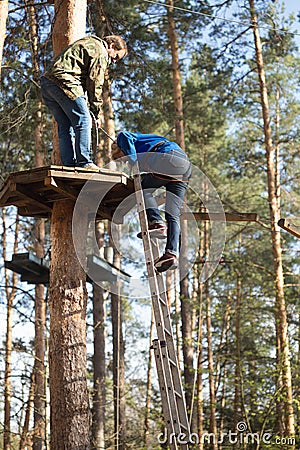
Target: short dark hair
119	42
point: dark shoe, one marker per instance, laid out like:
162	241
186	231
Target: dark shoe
166	262
157	230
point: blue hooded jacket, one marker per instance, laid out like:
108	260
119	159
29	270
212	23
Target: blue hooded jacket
133	143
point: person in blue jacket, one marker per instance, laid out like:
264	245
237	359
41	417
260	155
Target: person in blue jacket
162	164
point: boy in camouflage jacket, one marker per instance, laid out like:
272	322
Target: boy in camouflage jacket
79	69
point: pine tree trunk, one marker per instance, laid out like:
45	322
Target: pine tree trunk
199	387
25	441
211	372
10	291
237	367
149	384
3	19
186	309
99	388
283	358
70	415
39	348
118	360
67	351
40	304
224	379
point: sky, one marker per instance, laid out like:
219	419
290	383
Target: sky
293	6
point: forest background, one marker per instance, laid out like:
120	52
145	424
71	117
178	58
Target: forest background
242	371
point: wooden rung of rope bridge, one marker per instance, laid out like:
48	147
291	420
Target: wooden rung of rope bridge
288	226
34	192
35	270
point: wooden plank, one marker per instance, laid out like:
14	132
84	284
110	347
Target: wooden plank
287	226
62	187
33	198
77	174
230	217
28	211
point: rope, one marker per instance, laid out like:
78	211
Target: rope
222	18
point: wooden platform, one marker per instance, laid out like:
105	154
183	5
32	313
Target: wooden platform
34	191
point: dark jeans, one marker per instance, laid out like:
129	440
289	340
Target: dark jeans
72	117
175	192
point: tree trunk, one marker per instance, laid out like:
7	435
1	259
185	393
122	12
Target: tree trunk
211	372
177	90
148	385
69	416
199	387
39	348
118	360
237	366
283	358
99	388
10	291
25	441
67	351
3	19
40	304
186	309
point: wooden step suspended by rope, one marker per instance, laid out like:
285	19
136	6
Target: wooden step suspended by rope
288	226
34	270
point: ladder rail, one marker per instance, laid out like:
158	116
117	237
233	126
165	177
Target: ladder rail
173	401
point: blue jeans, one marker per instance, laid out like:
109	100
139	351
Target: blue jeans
73	118
175	192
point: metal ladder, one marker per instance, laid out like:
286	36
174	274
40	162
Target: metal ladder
172	396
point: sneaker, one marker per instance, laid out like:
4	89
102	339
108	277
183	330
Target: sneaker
157	230
90	166
166	262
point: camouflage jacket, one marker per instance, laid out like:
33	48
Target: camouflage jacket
81	68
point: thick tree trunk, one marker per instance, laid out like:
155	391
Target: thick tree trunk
70	415
67	351
283	359
3	19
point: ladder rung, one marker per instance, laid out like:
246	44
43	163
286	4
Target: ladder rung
162	301
178	394
168	331
173	362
